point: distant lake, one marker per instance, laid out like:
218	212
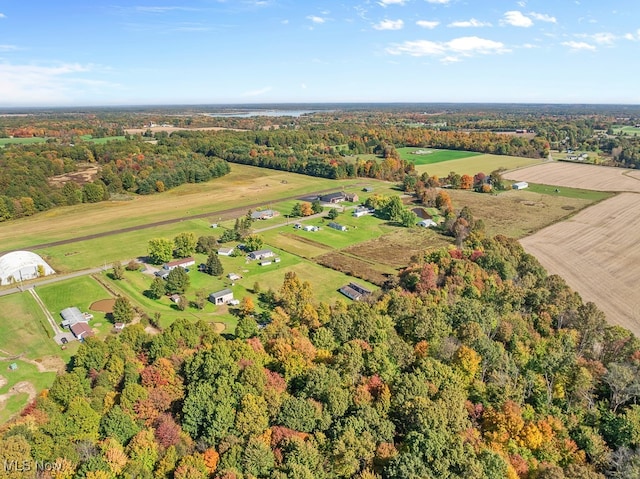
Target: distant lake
250	113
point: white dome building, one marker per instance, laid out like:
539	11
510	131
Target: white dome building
22	265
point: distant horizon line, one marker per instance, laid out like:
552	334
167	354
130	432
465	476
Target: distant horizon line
326	104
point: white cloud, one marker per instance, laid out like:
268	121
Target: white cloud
260	91
2	15
603	38
384	3
427	24
522	4
47	85
516	19
469	23
451	50
543	17
633	37
389	25
8	48
316	19
450	59
578	46
441	2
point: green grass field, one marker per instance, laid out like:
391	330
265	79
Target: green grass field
628	130
101	140
481	163
80	292
429	156
21	141
25	333
569	192
243	186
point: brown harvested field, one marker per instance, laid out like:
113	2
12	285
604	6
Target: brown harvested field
354	266
396	249
575	175
517	213
596	253
305	247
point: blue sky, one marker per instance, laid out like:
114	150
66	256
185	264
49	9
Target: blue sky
71	52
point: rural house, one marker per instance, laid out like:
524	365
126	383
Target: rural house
355	291
264	214
520	185
225	251
261	254
81	330
73	315
182	263
362	211
337	226
221	297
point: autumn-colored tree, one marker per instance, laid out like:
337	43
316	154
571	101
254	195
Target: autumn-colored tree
443	201
247	308
306	209
466	182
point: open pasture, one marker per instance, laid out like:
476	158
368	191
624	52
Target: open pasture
517	213
480	163
596	253
628	130
245	185
21	141
589	177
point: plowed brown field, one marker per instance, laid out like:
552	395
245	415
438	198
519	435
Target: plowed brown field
596	252
575	175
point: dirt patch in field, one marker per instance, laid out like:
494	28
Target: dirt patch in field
19	388
574	175
85	175
352	266
596	252
3	381
104	305
219	327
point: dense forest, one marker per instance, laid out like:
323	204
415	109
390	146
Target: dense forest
474	363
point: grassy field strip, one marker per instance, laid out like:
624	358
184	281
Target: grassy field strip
574	175
600	265
245	185
428	156
482	163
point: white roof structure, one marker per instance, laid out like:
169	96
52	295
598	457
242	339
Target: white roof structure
22	265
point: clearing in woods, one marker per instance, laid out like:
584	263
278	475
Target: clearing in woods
596	253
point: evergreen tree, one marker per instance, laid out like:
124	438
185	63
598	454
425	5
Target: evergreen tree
214	266
122	310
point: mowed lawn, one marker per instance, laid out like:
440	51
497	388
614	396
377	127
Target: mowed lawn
25	333
324	282
21	141
429	156
24	328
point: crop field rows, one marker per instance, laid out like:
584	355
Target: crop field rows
596	252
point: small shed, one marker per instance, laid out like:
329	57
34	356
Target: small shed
225	251
234	276
13	366
337	226
520	185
